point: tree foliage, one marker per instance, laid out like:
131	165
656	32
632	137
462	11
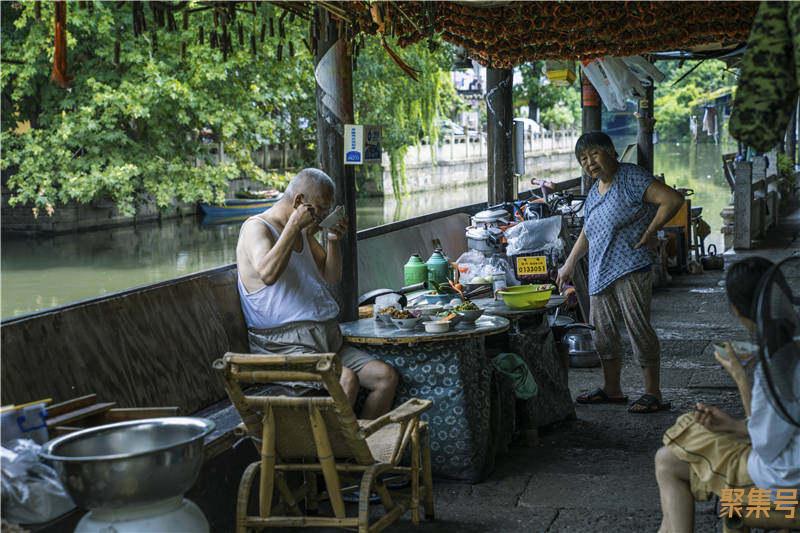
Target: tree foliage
408	110
560	107
132	129
673	96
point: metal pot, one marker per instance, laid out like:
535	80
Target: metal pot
486	240
580	347
130	463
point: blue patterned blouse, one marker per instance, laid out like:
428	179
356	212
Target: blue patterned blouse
614	223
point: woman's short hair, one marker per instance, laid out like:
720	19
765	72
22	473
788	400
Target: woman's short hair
741	284
595	139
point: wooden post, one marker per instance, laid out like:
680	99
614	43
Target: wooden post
791	138
591	110
758	219
499	118
333	69
743	206
644	138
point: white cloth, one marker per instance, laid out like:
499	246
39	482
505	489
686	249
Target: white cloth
299	295
775	459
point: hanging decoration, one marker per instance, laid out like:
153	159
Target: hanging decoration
59	74
503	36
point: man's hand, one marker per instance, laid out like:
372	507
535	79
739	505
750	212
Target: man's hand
731	363
565	275
648	240
337	232
302	216
714	419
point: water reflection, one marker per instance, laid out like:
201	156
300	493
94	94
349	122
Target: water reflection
39	273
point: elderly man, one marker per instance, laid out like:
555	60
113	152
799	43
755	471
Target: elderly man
624	209
284	287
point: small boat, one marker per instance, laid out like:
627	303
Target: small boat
238	207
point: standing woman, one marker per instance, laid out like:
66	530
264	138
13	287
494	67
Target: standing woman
625	208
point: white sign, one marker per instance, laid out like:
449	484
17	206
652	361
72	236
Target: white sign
353	144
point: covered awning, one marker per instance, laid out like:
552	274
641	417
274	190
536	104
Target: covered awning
507	34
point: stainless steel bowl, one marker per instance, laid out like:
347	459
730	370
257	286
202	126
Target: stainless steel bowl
130	463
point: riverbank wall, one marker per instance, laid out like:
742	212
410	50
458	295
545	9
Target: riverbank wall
446	174
421	176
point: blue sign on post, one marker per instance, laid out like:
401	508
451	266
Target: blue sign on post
353	144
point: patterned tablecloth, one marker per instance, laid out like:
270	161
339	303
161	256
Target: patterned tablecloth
455	373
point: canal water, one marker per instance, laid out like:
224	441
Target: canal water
39	273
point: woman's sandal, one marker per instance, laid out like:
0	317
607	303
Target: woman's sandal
647	403
598	395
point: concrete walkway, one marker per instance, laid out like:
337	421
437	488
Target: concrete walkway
596	474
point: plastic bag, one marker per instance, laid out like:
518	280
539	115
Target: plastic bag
471	265
32	492
643	69
602	84
623	81
533	235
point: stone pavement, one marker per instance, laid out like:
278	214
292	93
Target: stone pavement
595	474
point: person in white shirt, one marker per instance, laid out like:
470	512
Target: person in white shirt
285	288
707	451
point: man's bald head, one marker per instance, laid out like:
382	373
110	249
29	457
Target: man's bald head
312	183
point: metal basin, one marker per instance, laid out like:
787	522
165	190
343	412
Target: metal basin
130	463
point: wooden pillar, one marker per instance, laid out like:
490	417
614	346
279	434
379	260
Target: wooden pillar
791	137
591	107
333	69
644	138
743	206
499	119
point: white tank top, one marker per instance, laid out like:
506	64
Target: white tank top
299	295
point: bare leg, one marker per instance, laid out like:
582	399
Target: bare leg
612	369
677	502
652	380
381	381
349	382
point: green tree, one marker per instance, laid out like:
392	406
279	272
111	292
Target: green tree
408	110
674	96
559	107
131	128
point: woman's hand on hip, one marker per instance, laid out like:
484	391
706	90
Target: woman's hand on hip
648	240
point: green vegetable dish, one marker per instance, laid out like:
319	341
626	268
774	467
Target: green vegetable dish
466	306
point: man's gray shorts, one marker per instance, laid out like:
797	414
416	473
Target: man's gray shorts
308	337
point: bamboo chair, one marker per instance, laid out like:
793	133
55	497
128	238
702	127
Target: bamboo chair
313	435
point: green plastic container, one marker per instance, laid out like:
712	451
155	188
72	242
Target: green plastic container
415	271
438	269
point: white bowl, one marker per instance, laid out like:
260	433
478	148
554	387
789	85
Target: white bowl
406	324
437	326
427	311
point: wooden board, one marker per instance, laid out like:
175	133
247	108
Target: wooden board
147	348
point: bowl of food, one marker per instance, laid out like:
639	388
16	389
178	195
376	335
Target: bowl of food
404	319
437	298
428	310
437	326
385	315
468	311
448	316
524	297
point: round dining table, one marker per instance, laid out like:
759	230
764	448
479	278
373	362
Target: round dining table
452	370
